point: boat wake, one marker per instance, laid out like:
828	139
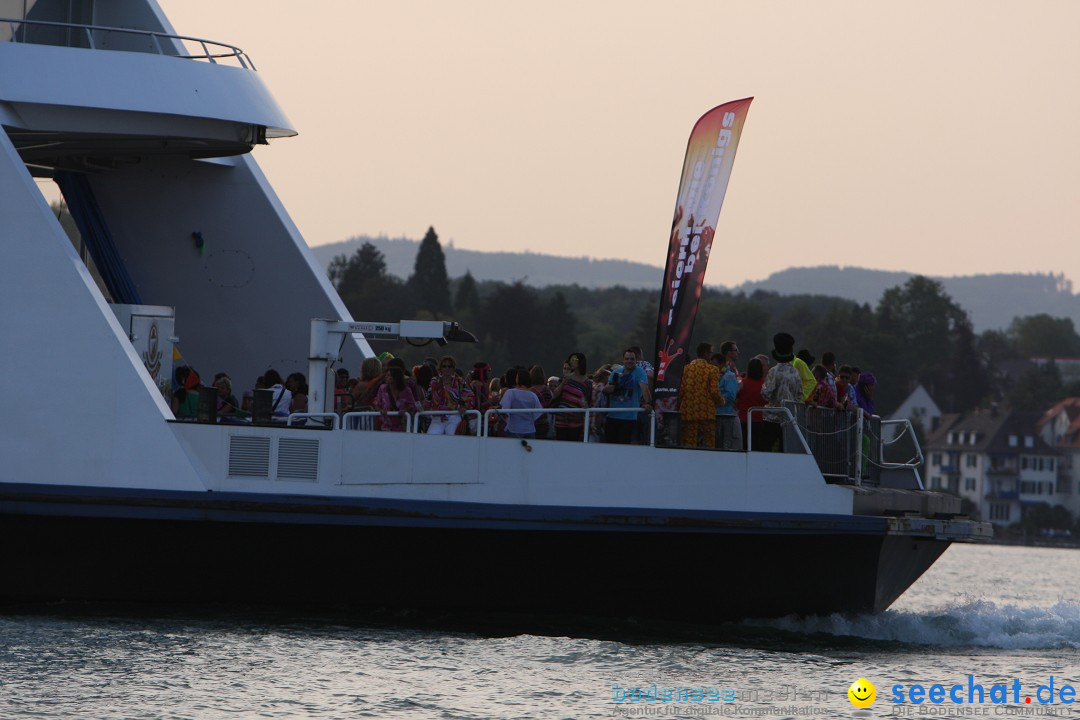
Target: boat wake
978	623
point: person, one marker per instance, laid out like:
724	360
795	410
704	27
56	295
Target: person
642	363
574	391
297	385
395	395
226	401
543	393
782	385
598	421
342	396
642	430
699	394
823	396
728	430
853	387
478	393
803	362
865	392
865	399
520	397
185	399
750	397
281	399
844	396
447	392
828	360
627	387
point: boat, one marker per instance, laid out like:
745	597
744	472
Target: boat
106	496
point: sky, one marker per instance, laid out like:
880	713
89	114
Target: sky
939	138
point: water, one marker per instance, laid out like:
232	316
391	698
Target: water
995	612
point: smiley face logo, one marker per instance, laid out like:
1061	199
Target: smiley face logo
862	693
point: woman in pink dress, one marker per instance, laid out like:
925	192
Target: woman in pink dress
395	395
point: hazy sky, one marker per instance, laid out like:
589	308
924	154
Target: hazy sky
936	137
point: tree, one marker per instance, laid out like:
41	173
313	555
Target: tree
467	299
1044	335
367	289
558	331
429	285
934	342
1036	389
509	319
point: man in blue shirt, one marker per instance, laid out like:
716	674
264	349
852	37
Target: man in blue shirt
728	429
626	388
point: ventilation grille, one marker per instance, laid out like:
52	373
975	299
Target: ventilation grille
298	459
249	457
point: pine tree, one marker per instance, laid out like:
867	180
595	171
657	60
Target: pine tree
467	299
429	283
365	286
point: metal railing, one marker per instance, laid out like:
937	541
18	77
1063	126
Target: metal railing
906	430
96	37
320	417
789	426
361	415
473	414
588	412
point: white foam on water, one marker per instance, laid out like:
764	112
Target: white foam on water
978	623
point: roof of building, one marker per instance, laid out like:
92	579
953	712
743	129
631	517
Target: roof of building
988	431
1071	408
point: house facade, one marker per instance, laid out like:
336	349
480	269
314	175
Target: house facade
1059	427
996	459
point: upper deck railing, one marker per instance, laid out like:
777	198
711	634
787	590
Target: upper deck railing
99	37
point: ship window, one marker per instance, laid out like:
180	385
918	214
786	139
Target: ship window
69	12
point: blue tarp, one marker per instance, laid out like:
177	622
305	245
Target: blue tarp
99	241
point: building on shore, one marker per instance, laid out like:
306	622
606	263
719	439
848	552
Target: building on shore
998	460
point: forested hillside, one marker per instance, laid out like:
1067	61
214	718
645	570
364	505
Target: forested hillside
916	333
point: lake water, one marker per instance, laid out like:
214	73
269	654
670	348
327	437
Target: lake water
997	613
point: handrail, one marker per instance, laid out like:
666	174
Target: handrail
433	413
374	414
570	411
227	51
790	421
306	416
908	428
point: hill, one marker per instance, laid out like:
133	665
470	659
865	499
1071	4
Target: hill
991	300
532	268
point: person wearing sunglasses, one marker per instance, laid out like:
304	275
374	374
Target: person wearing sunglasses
447	392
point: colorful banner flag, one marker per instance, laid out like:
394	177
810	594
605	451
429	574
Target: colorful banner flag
710	154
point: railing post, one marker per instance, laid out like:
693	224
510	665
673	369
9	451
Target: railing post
858	447
652	428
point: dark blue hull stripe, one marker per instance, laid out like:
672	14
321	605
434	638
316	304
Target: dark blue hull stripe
233	507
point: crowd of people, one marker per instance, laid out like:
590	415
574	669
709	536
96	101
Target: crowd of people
713	403
715	399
